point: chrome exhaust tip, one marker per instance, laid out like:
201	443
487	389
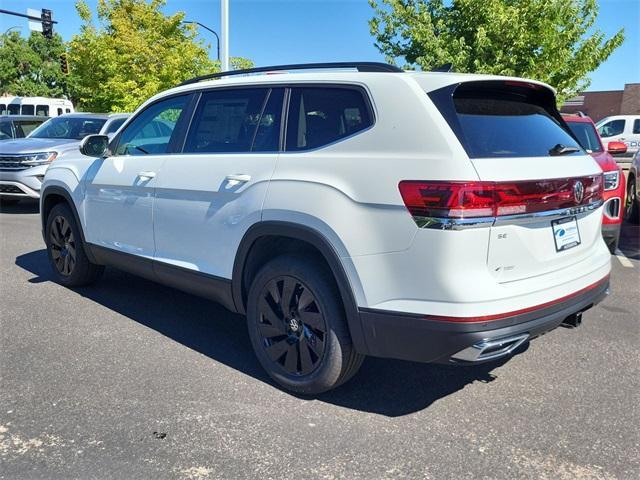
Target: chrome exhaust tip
490	349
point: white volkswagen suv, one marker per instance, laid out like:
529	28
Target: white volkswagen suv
349	210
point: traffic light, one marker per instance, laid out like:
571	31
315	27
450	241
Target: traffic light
47	24
64	64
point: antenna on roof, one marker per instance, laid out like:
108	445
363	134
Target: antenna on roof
447	67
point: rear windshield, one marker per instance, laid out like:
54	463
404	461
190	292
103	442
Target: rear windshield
586	135
505	119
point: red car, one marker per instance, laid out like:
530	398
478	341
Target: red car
614	182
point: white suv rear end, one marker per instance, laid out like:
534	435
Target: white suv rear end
422	216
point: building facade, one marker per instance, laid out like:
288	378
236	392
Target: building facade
599	105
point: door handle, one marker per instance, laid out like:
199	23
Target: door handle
237	178
148	175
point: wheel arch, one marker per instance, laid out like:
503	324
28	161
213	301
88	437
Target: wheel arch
254	250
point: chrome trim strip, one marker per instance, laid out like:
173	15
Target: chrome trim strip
499	348
520	219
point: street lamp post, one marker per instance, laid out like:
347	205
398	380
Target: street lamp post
210	30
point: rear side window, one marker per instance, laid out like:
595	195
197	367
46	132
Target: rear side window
28	109
636	126
25	127
42	110
3	109
236	120
586	135
319	116
13	109
504	119
59	111
609	129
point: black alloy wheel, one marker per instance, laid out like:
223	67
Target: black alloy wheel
63	246
292	326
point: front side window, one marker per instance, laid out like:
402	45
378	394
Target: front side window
28	109
152	130
586	135
609	129
75	128
236	120
42	110
3	109
319	116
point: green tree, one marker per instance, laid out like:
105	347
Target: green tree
549	40
31	66
134	52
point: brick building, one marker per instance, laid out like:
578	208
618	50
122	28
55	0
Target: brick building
603	104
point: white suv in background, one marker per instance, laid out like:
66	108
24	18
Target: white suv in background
350	210
621	128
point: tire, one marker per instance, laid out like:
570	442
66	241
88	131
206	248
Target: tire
613	245
304	346
631	210
5	202
65	250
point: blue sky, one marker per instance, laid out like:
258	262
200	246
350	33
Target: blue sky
295	31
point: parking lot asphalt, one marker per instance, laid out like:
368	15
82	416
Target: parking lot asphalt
129	379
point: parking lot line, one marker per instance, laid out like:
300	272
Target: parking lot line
623	259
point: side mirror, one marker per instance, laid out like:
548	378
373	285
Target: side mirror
95	146
616	147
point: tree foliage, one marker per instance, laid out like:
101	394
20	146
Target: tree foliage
132	52
549	40
31	66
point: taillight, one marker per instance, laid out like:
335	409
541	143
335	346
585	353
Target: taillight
459	200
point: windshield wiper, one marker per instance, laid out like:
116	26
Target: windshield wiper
136	148
560	149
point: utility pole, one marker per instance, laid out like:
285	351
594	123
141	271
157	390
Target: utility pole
224	30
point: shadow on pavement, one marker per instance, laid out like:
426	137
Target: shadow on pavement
24	206
630	240
387	387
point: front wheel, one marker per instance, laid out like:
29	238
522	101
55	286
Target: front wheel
298	327
66	250
631	210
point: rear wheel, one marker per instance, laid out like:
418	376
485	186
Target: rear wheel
66	250
631	210
298	327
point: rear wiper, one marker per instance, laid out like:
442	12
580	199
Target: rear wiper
560	149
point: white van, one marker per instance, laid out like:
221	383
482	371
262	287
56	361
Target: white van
40	106
621	128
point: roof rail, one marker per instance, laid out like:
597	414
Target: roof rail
360	66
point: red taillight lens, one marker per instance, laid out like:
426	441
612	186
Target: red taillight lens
492	199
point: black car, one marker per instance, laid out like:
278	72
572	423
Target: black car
19	126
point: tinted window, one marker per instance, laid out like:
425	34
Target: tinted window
115	125
75	128
25	127
636	126
609	129
232	120
67	110
319	116
504	119
151	130
3	109
42	110
28	109
13	109
59	111
587	136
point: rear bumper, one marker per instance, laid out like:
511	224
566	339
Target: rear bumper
419	338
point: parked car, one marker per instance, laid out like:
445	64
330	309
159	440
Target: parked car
433	217
23	161
18	126
621	128
632	204
614	182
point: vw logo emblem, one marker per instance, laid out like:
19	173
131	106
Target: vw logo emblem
294	325
578	191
